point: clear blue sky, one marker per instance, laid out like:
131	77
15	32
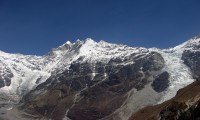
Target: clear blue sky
36	26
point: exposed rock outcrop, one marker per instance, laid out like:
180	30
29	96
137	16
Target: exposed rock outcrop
161	83
5	75
192	59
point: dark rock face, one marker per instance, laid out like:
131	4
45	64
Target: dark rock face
90	91
2	84
191	113
161	82
180	111
192	59
151	65
5	75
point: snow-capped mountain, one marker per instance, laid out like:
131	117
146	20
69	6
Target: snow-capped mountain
98	80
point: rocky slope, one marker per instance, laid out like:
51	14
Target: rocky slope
184	106
96	80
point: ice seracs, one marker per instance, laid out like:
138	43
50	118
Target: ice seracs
180	74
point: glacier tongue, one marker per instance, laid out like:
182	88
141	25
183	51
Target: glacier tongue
180	74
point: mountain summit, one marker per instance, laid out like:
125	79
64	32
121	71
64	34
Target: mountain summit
88	80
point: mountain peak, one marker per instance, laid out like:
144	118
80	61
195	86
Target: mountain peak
90	41
103	42
68	42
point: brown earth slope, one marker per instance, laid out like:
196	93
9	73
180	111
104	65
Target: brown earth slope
184	106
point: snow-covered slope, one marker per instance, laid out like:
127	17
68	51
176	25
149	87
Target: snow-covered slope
25	71
19	74
191	44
